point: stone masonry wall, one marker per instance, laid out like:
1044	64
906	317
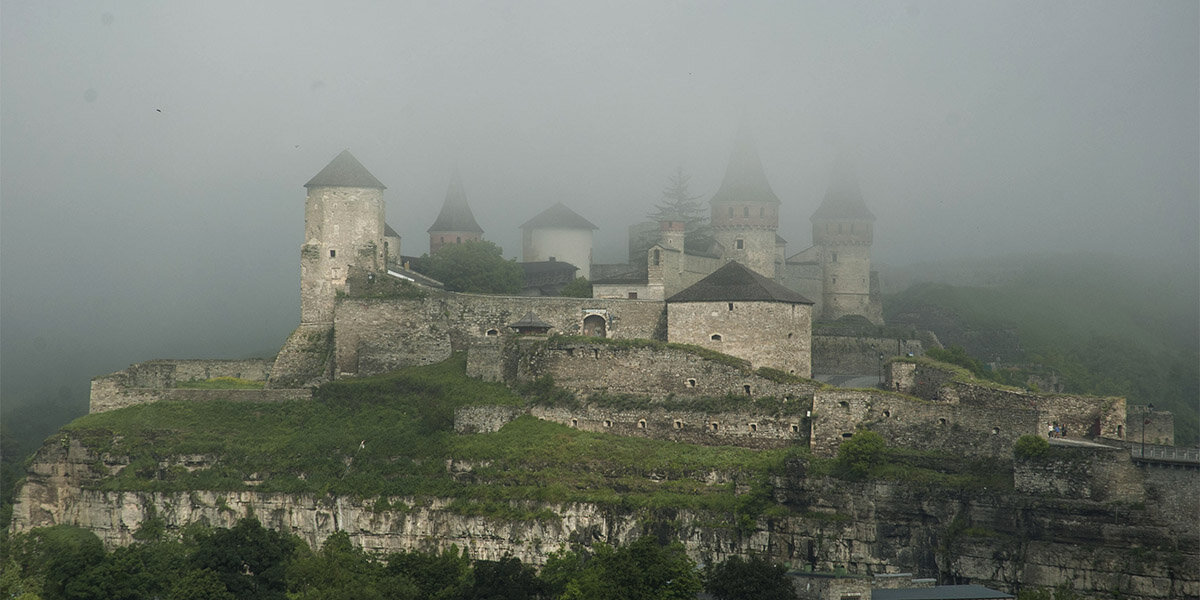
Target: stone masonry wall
1101	474
744	429
1159	430
768	334
646	371
154	380
379	335
843	355
914	423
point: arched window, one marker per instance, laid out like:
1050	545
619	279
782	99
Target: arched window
656	257
595	325
716	337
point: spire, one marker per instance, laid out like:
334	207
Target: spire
345	171
745	180
456	214
843	199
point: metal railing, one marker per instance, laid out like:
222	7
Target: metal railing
1166	454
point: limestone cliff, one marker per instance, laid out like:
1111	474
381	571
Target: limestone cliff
999	538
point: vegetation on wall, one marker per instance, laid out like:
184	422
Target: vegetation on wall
1102	325
580	287
476	266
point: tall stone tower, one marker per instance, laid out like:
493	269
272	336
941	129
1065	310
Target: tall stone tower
745	211
842	234
343	228
455	224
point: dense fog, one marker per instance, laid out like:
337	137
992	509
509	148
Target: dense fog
153	154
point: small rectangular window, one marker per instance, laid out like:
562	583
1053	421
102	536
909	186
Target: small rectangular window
833	257
633	295
333	254
730	306
739	244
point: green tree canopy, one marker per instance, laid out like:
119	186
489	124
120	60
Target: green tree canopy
748	579
579	288
477	267
860	454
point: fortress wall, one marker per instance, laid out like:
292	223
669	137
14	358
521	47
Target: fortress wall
484	419
1100	474
1082	416
1173	495
768	334
1159	430
106	396
843	355
742	429
919	379
603	368
914	423
154	380
378	335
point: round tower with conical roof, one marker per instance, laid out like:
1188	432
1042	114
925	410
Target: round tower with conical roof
455	224
843	229
745	211
343	228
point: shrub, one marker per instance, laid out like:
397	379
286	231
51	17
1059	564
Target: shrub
1029	447
861	454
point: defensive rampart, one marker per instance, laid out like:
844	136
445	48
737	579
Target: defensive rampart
155	381
847	355
379	335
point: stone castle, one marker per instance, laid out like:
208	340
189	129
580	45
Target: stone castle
722	358
725	324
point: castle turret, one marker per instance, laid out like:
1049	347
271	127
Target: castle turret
745	211
559	233
842	235
343	228
455	224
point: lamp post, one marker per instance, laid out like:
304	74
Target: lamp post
880	369
1145	422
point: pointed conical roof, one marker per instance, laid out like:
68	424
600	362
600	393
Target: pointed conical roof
558	217
745	180
388	231
456	214
843	199
737	282
345	171
530	321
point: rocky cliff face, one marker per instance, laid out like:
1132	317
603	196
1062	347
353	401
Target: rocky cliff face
1001	539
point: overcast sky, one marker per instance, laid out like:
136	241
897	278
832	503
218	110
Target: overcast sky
152	154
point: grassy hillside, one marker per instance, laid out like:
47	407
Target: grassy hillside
1106	325
392	436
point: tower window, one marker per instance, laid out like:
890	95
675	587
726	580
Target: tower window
333	254
633	295
833	257
739	243
657	258
835	279
730	306
745	211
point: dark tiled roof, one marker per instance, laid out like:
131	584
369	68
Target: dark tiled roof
530	321
745	180
637	276
345	171
544	267
456	214
779	240
558	217
388	231
737	282
843	199
941	592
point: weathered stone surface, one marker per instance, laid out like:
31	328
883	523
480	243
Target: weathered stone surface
1004	540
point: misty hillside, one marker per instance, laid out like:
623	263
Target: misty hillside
1105	325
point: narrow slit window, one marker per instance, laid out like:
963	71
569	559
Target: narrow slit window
333	254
